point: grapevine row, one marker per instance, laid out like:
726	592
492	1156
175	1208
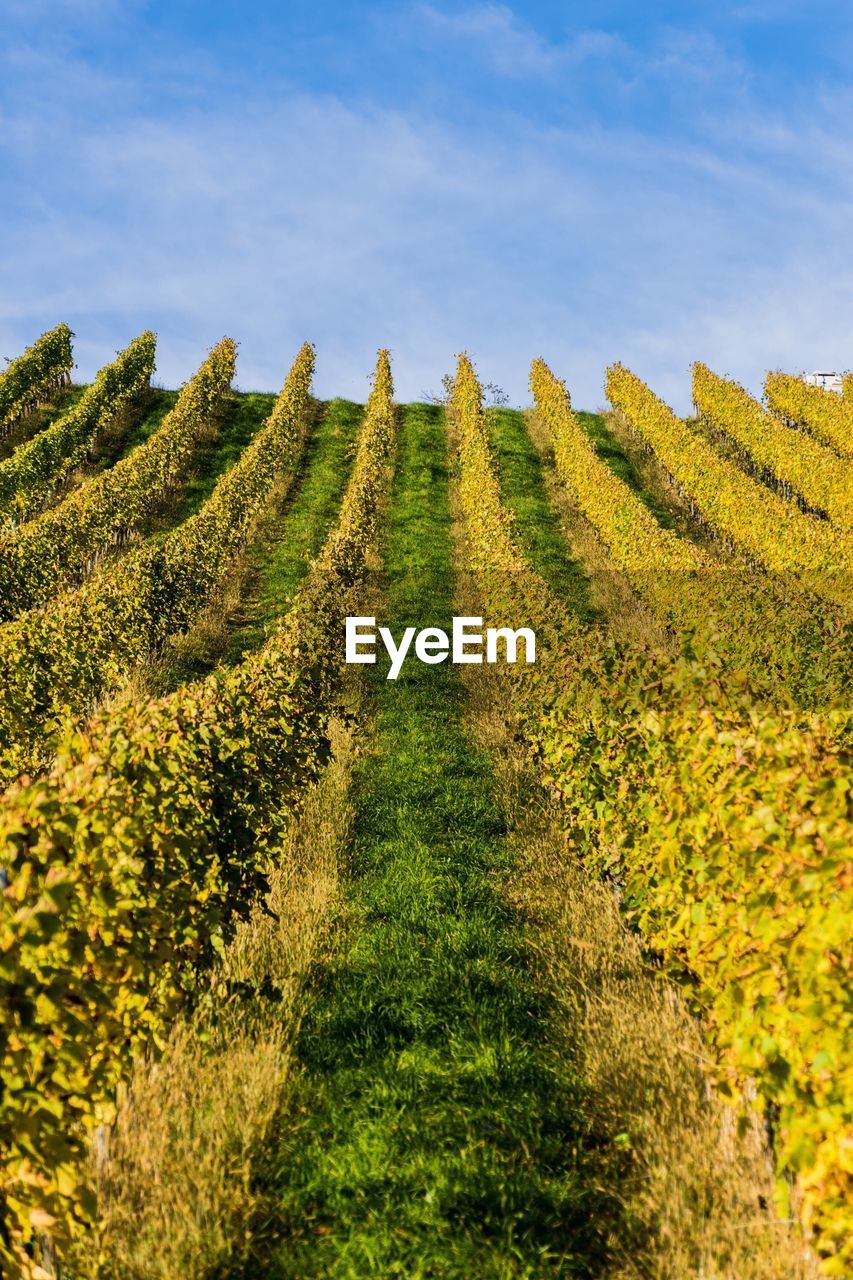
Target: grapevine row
825	414
778	536
492	546
58	547
58	659
37	468
727	825
683	585
788	456
129	864
43	368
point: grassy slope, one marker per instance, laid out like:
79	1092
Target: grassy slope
641	471
556	537
272	565
279	557
61	402
133	425
242	415
591	586
537	524
436	1136
628	460
218	449
611	451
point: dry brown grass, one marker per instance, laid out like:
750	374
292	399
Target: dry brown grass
177	1175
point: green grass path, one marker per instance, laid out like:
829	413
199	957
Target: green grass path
139	420
537	523
611	451
522	472
290	535
241	415
639	470
435	1136
280	557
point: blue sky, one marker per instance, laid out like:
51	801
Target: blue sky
652	183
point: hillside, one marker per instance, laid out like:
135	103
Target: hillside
490	969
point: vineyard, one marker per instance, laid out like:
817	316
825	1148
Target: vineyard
494	969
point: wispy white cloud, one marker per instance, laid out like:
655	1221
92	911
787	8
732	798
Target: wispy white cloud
497	35
298	215
695	57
